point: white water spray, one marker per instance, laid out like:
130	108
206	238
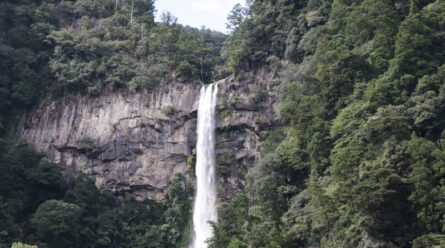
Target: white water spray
205	202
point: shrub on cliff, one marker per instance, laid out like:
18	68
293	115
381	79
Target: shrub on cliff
21	245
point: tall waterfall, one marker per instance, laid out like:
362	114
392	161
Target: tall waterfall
205	202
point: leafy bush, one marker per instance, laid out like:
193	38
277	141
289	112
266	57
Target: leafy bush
185	70
257	94
86	144
21	245
168	110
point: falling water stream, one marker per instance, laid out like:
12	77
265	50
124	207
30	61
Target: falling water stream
204	209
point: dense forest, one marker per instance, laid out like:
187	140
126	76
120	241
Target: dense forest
59	48
358	160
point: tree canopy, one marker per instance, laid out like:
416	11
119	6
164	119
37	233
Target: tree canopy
360	164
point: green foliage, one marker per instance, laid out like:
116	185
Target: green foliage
57	222
25	183
86	144
93	46
260	33
426	176
168	110
21	245
292	52
24	53
257	95
272	140
236	16
185	70
54	48
39	206
234	217
431	240
361	97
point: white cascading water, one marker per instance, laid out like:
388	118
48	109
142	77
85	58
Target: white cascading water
204	209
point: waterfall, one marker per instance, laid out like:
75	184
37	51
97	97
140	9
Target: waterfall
204	209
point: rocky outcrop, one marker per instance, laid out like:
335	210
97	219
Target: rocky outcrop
138	142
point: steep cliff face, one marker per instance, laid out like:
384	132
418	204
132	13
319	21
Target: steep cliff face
138	142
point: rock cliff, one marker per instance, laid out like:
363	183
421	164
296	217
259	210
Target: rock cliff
137	142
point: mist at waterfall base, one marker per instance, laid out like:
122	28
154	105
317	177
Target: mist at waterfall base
204	210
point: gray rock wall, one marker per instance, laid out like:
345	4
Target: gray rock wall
138	142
